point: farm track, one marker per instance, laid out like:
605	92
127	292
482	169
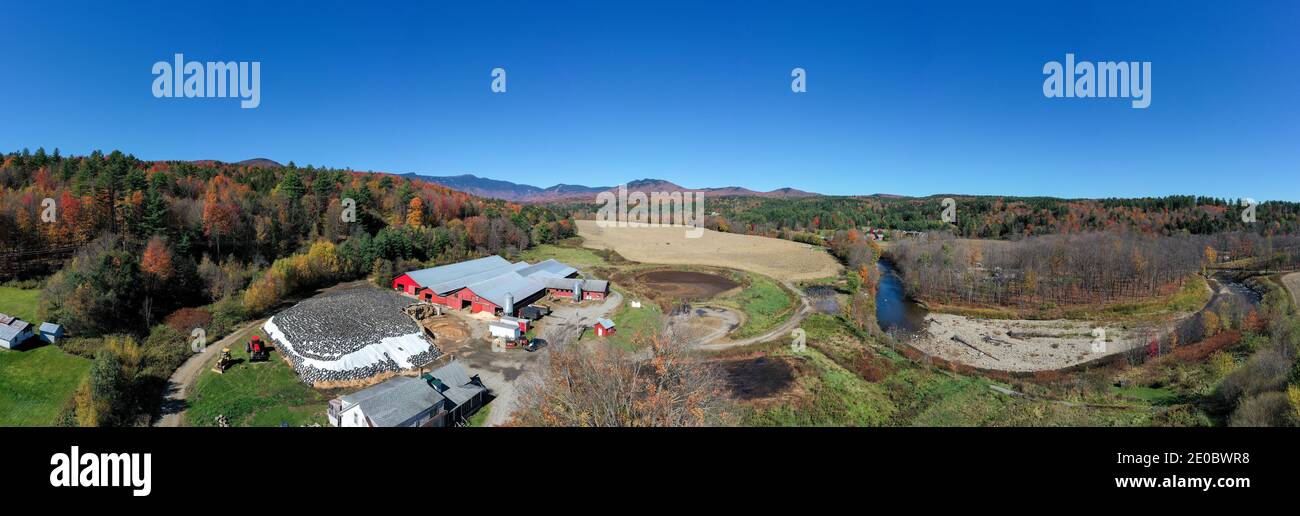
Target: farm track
805	309
1292	282
183	379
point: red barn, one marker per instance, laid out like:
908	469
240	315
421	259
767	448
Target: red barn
589	288
491	284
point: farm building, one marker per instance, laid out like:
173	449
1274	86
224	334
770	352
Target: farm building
13	331
522	323
443	397
350	337
51	332
504	330
604	327
584	288
491	284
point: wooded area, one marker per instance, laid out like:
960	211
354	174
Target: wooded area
1072	269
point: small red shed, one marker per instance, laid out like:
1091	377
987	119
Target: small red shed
604	327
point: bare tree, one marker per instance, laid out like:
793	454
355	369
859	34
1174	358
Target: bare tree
594	384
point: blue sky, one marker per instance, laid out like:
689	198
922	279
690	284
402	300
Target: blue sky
911	98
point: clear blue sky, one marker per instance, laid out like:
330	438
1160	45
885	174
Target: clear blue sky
910	98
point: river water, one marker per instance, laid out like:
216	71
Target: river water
896	314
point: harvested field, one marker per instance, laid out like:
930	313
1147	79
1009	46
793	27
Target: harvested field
686	285
781	259
348	336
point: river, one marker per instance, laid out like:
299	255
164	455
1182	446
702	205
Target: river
896	314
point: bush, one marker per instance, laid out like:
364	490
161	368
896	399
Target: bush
1267	409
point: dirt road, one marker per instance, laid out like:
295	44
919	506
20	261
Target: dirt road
782	331
1292	282
182	381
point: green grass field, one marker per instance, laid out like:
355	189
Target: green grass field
20	303
766	305
634	323
909	394
262	394
575	256
35	385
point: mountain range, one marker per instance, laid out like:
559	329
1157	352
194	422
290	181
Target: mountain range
515	192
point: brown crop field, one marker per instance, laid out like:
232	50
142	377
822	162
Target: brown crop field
781	259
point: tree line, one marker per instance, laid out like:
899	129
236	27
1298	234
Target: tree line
147	248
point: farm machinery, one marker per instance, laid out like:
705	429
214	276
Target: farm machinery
224	362
257	351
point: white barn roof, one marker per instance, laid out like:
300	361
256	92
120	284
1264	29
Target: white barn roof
493	278
442	273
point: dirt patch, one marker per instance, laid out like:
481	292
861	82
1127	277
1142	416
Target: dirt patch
757	378
449	333
685	285
781	259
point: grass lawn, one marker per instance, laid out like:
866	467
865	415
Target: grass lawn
36	384
480	418
633	322
1151	395
765	303
20	303
261	394
575	256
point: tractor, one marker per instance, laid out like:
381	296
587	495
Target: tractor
257	351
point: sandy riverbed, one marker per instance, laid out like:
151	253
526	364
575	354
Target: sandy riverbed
1026	345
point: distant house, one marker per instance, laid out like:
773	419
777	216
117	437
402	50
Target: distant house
604	327
51	332
13	331
443	397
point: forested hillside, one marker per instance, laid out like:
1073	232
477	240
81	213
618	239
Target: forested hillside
133	256
996	217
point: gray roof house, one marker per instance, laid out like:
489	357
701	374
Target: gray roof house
13	331
443	397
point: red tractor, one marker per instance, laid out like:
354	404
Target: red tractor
257	351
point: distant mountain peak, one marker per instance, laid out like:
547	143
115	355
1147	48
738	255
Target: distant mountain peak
515	192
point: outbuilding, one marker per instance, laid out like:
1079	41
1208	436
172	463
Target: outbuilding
50	332
604	327
522	323
13	331
504	330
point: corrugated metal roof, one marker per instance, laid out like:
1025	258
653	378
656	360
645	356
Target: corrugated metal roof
496	288
11	329
396	400
567	284
444	273
493	278
460	388
47	327
548	268
605	322
464	281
